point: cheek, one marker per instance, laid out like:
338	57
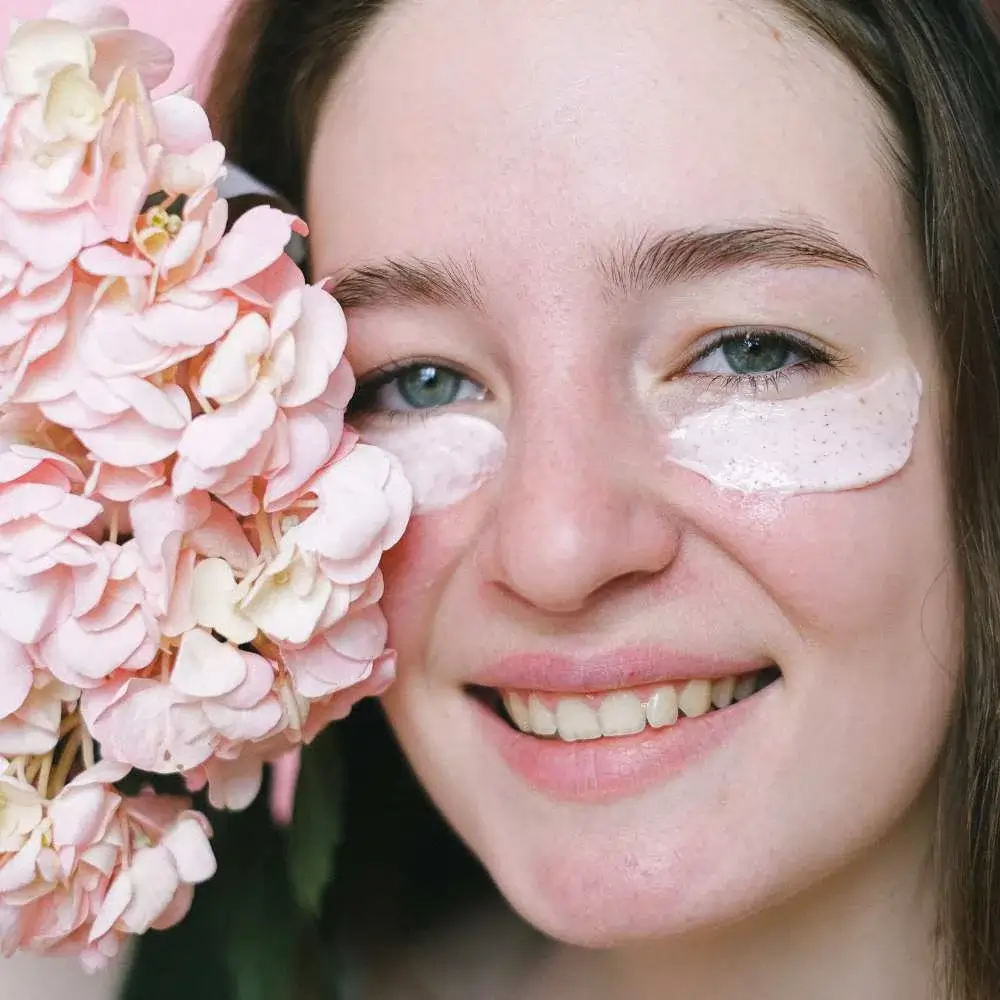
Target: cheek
418	571
841	567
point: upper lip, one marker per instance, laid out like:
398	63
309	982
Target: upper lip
618	668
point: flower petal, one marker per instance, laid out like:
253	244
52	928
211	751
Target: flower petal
205	667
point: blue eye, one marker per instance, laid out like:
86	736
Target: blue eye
414	387
756	354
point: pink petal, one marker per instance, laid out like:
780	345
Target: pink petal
154	882
284	780
244	725
257	685
105	260
73	654
111	346
19	870
256	241
131	441
310	446
171	323
221	536
319	671
167	408
320	339
181	124
177	909
191	851
150	57
228	434
16	675
115	903
79	817
233	785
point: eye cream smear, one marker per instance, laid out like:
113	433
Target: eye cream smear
838	439
446	457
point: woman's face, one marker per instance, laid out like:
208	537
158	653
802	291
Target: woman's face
653	307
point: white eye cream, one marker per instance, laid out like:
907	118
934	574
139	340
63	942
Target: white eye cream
839	439
446	457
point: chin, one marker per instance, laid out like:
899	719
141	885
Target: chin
588	894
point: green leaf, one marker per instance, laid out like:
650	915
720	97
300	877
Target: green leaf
263	946
256	909
316	828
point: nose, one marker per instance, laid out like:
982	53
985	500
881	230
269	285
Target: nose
579	511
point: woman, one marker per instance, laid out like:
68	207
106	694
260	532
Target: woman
598	261
682	318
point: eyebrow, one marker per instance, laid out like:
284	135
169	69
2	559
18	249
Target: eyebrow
629	269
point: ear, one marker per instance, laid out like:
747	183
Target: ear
243	191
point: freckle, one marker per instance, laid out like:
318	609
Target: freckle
777	35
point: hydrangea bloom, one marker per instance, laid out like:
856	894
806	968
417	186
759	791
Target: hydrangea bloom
190	537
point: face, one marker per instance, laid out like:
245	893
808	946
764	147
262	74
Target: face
653	342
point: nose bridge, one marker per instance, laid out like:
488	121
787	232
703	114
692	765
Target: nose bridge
578	506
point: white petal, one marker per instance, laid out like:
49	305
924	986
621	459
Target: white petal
213	598
207	668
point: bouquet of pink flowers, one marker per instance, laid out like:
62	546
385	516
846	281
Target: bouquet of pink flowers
190	537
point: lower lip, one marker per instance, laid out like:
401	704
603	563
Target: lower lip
615	767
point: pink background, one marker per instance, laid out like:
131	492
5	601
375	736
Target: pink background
186	25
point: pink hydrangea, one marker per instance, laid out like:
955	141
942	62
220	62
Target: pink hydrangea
364	505
77	603
81	872
34	315
118	633
49	569
190	537
215	696
78	151
32	703
276	388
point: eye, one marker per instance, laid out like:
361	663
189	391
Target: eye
423	385
754	355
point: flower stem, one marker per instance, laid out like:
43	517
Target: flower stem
68	724
89	758
66	760
266	535
42	783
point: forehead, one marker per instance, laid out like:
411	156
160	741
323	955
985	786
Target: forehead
530	131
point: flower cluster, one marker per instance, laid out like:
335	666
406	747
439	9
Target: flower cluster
190	536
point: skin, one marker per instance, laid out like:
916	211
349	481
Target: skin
526	137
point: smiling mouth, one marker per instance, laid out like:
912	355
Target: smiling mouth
613	714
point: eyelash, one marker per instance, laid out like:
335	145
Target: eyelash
369	384
814	358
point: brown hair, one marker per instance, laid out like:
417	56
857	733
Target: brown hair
935	64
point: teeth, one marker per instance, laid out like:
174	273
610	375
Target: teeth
577	720
695	699
543	721
722	692
661	709
621	714
624	713
517	709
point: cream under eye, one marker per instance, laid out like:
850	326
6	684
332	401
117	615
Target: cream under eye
410	388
